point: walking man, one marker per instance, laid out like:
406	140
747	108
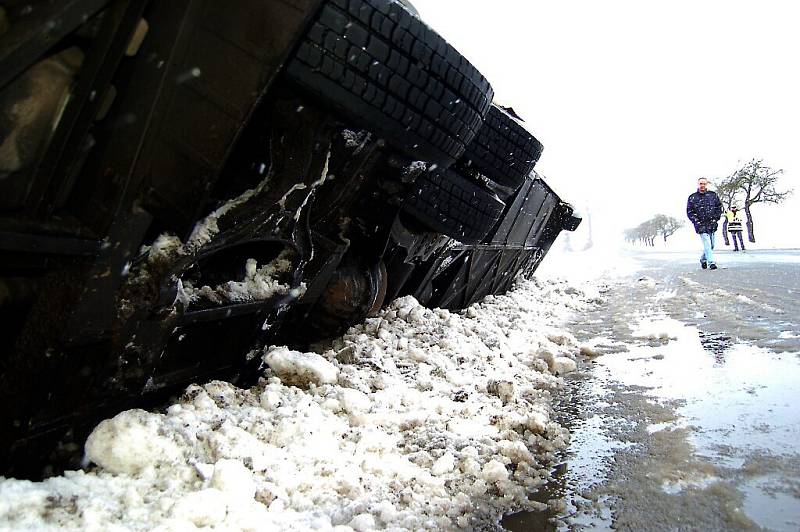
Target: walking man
704	209
735	227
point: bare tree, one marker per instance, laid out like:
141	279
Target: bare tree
650	232
667	225
641	234
646	232
756	182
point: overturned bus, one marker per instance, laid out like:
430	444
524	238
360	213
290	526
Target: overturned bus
184	182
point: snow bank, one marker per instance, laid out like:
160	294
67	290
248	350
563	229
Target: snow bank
417	418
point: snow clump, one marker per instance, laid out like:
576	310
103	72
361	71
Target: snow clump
300	369
258	284
131	442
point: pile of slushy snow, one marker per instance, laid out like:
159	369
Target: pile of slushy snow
258	284
416	419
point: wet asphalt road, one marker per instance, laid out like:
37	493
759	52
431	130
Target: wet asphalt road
688	417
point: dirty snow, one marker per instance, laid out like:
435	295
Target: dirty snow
355	139
415	168
205	230
324	176
167	247
416	419
258	284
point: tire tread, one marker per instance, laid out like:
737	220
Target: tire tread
379	64
503	150
453	205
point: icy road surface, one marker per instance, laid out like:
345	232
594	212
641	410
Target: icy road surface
689	416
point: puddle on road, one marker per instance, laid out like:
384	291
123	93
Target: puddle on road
687	427
716	344
586	463
773	510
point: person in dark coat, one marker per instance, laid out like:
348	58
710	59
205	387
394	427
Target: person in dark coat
704	210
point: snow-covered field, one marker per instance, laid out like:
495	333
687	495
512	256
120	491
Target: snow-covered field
416	419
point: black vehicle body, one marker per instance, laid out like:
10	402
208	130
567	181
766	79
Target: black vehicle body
195	119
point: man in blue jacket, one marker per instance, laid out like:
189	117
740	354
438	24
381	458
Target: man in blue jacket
704	210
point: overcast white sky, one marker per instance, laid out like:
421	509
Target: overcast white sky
634	100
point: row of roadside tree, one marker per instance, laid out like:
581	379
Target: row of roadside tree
647	232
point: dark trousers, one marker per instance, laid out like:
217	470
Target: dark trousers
734	236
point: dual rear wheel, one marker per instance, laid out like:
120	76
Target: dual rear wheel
380	66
